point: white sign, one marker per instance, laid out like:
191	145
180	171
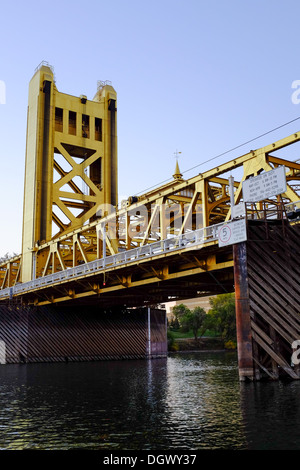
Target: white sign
266	185
238	211
232	232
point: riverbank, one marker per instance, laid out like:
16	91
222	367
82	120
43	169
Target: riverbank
201	344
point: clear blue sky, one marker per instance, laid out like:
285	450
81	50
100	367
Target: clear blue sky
197	76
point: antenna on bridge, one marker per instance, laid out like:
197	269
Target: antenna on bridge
177	175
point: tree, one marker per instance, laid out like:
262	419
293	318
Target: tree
194	320
221	316
180	310
173	323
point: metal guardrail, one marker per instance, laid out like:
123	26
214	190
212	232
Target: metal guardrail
193	238
187	240
289	210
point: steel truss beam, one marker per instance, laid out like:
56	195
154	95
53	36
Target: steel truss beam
161	277
172	209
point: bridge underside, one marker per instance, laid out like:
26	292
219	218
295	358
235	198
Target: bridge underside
176	276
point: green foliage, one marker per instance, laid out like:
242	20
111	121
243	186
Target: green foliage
219	321
180	310
194	320
221	316
230	344
187	319
173	324
172	346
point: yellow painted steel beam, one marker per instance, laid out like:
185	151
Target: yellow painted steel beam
76	138
121	285
202	190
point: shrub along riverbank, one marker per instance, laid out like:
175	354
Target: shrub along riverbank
190	344
197	330
207	343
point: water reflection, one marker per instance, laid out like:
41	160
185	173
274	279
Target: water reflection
271	415
203	399
84	405
187	401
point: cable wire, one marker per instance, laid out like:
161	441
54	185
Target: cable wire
224	153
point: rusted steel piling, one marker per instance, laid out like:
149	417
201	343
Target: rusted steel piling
243	321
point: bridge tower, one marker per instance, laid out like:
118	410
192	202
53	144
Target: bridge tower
71	161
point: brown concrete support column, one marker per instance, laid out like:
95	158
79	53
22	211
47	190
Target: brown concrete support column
243	323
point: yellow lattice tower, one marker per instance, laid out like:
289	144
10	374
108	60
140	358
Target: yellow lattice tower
71	161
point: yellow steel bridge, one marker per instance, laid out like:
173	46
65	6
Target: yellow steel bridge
81	245
72	217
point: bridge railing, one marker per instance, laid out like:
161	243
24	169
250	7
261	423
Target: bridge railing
191	239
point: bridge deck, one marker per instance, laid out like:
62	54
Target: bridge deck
136	270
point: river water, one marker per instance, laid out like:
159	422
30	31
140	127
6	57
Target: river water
187	401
